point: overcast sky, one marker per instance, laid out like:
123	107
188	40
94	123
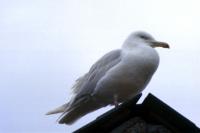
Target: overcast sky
46	44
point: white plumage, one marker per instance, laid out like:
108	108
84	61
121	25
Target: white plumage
117	76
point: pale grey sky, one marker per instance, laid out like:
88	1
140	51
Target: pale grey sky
45	45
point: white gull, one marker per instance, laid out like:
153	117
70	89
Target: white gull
116	77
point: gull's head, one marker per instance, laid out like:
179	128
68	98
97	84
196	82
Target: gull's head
142	38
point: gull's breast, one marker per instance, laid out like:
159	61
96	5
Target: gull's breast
130	76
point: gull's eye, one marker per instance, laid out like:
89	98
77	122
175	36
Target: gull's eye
144	37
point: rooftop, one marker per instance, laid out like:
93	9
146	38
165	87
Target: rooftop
152	110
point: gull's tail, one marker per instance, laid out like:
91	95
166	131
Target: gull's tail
58	110
76	111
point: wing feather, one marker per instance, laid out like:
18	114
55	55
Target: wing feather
85	85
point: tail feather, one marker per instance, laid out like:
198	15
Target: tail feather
74	113
59	109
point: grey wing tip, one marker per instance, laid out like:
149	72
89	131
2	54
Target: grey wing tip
47	113
58	110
